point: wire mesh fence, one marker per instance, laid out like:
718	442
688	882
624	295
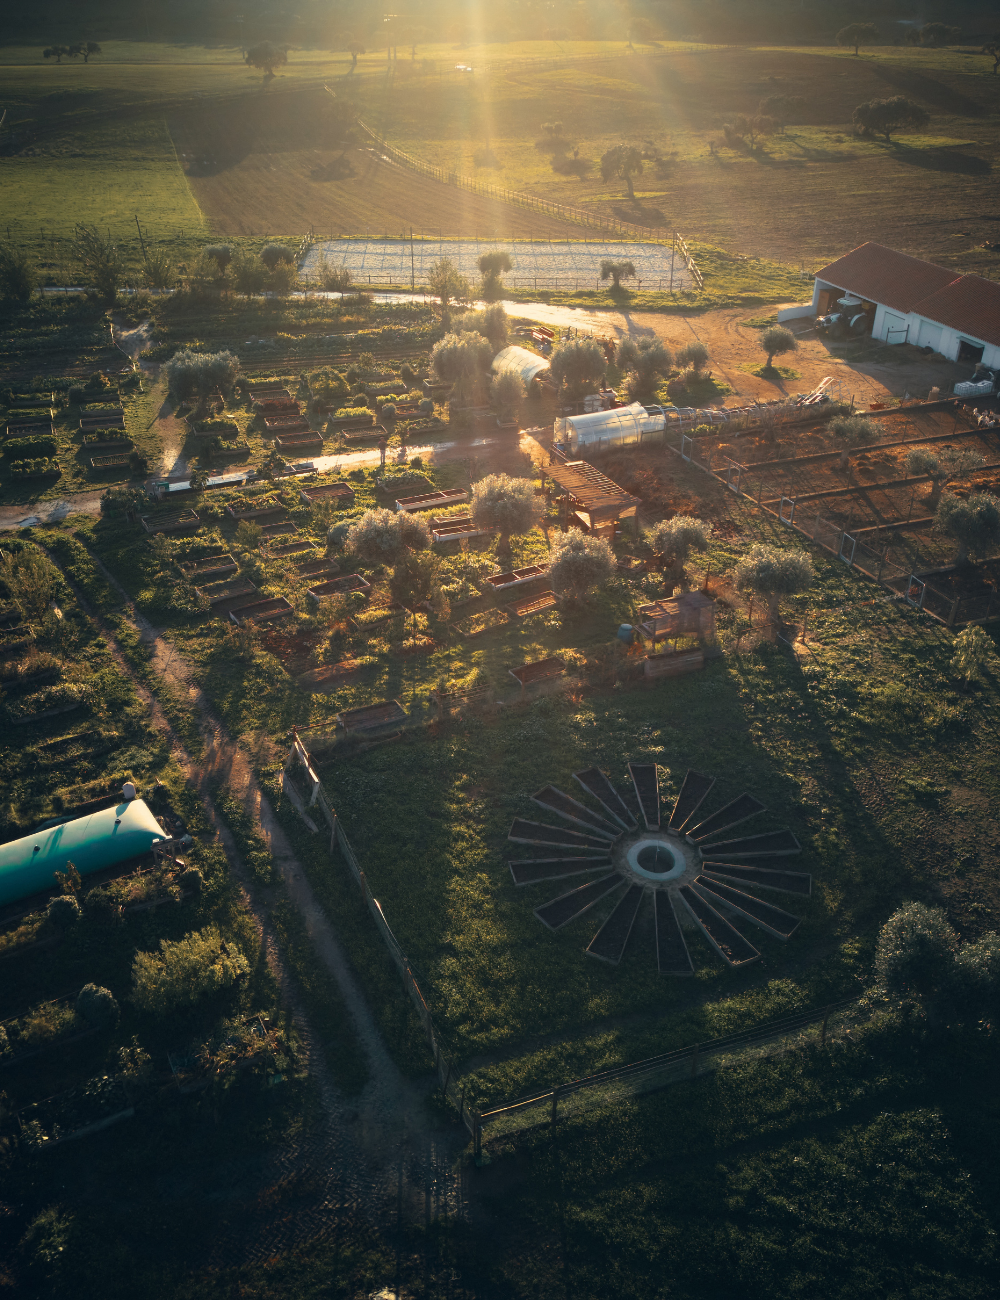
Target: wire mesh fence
612	1087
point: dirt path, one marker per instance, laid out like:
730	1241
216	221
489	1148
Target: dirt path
376	1151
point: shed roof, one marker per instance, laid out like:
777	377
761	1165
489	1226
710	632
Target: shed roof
521	361
883	275
970	304
595	493
101	839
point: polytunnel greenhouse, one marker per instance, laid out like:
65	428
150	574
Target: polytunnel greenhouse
520	361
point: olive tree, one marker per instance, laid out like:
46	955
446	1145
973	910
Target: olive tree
617	271
507	392
249	276
333	279
272	254
776	341
693	356
491	267
622	162
675	539
915	958
191	374
858	34
266	56
97	1005
578	366
853	431
507	504
943	469
416	580
220	254
771	572
973	522
492	322
884	116
643	362
447	285
185	970
579	563
387	536
937	35
462	360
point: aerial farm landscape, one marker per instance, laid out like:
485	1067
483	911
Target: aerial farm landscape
499	688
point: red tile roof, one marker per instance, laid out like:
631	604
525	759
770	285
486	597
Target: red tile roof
971	305
882	275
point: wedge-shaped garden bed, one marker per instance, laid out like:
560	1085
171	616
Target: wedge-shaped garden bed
340	586
218	595
527	606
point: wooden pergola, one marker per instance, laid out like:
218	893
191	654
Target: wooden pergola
586	491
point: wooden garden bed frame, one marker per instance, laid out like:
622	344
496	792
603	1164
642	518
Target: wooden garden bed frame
258	512
110	444
529	605
338	423
339	587
240	587
518	577
257	391
364	435
286	424
177	523
372	717
469	634
309	569
542	670
433	500
29	429
325	491
319	677
114	420
292	441
208	566
446	700
290	548
280	528
262	611
673	664
109	462
459	532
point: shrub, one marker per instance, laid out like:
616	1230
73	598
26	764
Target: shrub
272	254
853	431
117	500
220	254
579	563
191	880
36	446
63	912
973	522
693	357
493	323
97	1006
507	392
30	579
185	970
385	536
76	395
32	468
507	504
18	275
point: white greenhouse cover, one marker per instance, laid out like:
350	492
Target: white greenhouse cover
522	362
623	424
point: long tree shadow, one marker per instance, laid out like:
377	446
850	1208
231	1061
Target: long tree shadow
944	98
941	160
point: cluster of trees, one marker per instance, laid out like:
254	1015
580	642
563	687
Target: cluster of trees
199	374
81	50
934	35
273	271
884	116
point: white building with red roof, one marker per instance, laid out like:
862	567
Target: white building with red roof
908	300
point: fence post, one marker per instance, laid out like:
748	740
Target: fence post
555	1107
477	1139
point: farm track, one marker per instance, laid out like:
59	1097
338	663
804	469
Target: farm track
372	1155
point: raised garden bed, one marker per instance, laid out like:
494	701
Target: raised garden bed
339	586
517	578
375	615
239	450
326	492
372	717
542	670
293	441
342	422
364	435
103	420
433	500
76	1113
45	713
216	429
487	620
315	568
424	425
218	596
107	444
109	462
459	530
47	1025
529	605
481	693
270	507
632	566
289	548
674	665
319	679
210	566
281	424
29	429
279	528
262	611
176	523
270	392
